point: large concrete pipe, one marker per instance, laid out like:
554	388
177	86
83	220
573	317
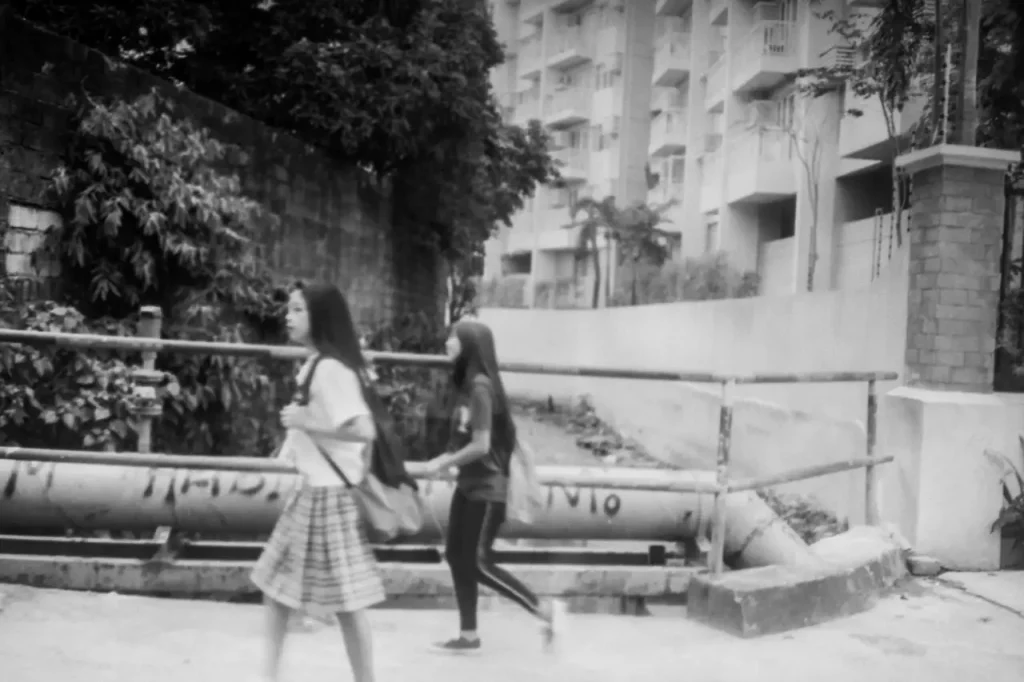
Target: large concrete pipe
55	495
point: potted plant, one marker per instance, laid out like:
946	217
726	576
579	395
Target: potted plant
1010	522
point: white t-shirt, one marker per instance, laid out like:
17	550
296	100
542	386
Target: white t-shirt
335	397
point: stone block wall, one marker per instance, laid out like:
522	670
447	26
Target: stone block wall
955	252
335	224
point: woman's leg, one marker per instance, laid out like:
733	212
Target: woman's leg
355	630
492	575
463	527
275	626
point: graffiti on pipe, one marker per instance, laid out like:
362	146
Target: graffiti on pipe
604	503
601	502
182	482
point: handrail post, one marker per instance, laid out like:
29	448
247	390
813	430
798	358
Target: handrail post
147	379
872	513
716	559
147	404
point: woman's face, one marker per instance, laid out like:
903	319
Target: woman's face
297	318
453	346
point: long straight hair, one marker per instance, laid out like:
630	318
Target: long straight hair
331	329
477	357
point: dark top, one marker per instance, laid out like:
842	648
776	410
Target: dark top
483	479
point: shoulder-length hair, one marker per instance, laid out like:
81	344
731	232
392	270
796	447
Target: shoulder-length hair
478	357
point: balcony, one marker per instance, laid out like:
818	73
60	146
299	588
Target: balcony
668	133
716	83
667	190
671	58
526	107
569	48
567	107
766	56
519	241
867	136
711	181
667	98
761	167
573	164
530	57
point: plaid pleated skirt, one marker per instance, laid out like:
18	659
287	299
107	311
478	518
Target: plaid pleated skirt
318	559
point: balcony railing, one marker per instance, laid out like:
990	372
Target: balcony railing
716	82
568	106
761	166
573	163
671	58
527	106
570	47
766	55
668	98
530	55
668	132
666	191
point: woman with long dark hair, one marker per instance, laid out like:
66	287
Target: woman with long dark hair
482	439
318	560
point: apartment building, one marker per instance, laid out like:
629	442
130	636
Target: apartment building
695	101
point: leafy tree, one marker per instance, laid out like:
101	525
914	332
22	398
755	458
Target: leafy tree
401	88
892	69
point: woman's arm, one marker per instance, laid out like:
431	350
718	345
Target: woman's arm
481	417
360	429
474	450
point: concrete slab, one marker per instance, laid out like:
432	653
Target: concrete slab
856	566
928	632
1005	588
589	589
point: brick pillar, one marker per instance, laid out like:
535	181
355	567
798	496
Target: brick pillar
955	246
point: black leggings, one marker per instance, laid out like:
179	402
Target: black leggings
472	527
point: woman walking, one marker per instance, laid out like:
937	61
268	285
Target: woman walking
318	560
483	437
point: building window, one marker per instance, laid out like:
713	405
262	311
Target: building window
711	236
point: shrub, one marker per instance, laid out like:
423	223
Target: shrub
150	218
704	278
416	397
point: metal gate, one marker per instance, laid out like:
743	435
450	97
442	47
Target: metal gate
1009	359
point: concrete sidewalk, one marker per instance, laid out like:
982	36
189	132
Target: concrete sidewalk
925	631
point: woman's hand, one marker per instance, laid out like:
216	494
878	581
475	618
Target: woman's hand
439	465
294	416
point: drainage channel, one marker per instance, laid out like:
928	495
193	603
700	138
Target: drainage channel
205	550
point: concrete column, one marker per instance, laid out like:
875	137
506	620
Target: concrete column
955	246
692	219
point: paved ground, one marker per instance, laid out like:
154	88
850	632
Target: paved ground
927	631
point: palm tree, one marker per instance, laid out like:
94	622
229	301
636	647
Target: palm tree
634	229
600	219
641	239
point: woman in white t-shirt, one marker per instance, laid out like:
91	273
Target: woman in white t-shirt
318	560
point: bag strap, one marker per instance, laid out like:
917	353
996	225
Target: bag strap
302	398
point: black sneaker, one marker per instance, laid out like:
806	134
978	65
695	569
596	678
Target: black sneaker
460	644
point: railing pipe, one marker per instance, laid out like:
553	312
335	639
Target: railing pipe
621	478
804	473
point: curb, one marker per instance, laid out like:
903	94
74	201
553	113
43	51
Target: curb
586	589
857	566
